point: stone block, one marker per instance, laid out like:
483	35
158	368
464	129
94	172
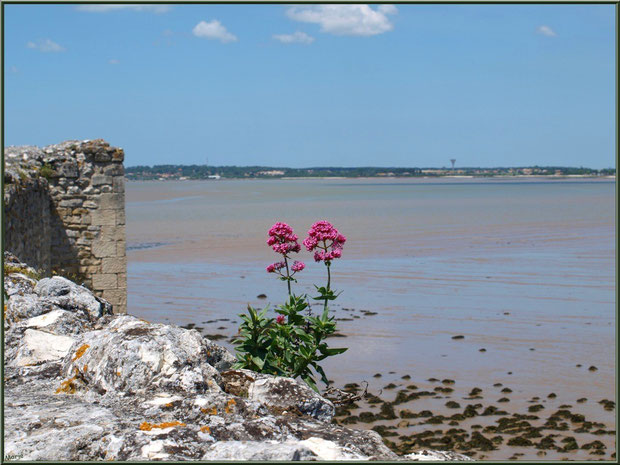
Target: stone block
114	265
111	233
84	241
104	281
114	169
90	204
122	280
103	217
112	201
102	156
115	296
101	249
120	217
121	250
118	184
118	155
70	203
69	169
99	180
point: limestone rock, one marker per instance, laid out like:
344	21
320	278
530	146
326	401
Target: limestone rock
287	395
39	346
435	455
68	295
131	355
256	450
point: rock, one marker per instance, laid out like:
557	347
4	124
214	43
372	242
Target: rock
256	450
68	295
39	346
288	395
131	355
428	455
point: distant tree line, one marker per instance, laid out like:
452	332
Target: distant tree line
142	172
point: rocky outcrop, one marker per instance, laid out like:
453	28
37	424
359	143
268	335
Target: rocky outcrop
83	384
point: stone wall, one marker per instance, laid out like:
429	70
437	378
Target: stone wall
64	209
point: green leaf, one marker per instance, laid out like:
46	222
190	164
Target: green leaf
308	379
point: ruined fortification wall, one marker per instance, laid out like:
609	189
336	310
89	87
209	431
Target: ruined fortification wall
64	213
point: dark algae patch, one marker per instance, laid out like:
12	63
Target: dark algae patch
410	418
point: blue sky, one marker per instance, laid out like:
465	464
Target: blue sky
316	85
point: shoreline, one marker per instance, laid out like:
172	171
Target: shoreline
294	178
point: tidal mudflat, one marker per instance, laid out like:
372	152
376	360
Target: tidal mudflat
495	284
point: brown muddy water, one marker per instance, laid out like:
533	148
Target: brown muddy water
524	270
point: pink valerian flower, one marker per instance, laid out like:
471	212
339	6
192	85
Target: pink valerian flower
275	267
297	266
323	236
282	239
280	319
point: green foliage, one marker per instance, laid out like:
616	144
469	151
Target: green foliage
8	269
292	347
46	171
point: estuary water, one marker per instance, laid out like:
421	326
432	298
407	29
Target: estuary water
522	268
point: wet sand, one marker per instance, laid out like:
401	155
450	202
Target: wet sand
510	267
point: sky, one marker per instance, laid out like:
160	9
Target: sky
317	85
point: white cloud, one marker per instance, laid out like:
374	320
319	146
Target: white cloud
213	30
136	7
46	46
113	61
352	20
298	36
546	31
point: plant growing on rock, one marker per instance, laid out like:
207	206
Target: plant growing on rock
292	344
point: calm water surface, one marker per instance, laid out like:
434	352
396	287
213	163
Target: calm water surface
522	268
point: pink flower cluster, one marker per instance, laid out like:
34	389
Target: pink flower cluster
297	266
280	319
275	267
324	237
282	239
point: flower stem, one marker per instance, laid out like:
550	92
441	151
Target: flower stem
329	278
288	276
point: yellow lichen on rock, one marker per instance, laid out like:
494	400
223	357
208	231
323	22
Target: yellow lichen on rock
146	426
68	386
229	406
80	352
205	429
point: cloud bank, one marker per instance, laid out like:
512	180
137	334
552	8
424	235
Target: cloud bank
296	37
46	46
346	20
546	31
213	30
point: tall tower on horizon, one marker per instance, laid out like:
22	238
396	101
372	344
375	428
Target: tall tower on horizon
453	161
